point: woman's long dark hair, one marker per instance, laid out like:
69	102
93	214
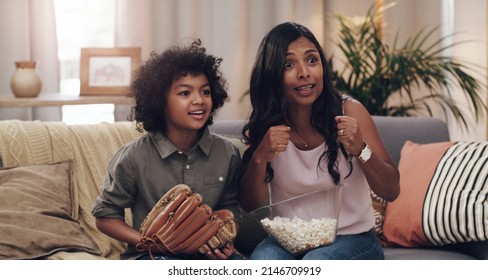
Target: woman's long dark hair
268	102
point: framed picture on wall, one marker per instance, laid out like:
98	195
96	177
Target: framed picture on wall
107	71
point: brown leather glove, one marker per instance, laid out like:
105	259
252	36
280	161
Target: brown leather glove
225	234
180	224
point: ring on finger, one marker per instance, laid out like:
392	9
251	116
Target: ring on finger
341	132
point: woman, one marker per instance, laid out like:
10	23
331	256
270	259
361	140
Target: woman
299	119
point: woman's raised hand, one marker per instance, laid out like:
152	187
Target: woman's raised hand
349	134
274	141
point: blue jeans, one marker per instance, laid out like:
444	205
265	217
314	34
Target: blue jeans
363	246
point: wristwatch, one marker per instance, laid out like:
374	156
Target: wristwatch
365	153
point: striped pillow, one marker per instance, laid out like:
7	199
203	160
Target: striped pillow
443	195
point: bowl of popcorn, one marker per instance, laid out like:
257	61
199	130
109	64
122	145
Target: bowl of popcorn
304	222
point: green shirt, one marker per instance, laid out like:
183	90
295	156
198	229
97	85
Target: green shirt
143	170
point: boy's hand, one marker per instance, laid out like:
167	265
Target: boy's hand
223	253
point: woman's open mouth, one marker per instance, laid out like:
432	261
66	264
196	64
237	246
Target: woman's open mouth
305	89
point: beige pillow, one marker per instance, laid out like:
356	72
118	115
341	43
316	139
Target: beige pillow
37	214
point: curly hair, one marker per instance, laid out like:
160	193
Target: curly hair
268	103
153	79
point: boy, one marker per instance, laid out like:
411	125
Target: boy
177	94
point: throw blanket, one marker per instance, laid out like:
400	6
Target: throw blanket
90	147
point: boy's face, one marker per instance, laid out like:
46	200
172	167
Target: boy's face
189	103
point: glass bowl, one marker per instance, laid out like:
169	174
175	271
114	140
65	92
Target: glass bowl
303	222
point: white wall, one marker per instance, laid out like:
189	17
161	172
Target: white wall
238	48
27	32
410	16
232	30
470	23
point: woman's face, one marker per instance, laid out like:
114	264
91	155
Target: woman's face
189	103
303	76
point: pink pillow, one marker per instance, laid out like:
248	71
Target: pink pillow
443	192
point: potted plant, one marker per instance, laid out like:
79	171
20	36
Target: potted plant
402	81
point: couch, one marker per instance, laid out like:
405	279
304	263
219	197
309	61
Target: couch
52	173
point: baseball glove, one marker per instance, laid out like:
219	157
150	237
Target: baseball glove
180	224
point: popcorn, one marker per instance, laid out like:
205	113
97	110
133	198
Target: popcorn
298	235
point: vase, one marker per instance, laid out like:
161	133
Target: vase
25	81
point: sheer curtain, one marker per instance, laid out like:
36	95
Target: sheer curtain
29	33
228	29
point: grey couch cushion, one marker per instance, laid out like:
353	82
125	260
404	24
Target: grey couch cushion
394	131
424	254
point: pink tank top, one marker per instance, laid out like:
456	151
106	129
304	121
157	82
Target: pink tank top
296	172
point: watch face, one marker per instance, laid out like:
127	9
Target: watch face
365	154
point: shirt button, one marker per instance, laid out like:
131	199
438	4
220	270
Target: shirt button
188	167
221	179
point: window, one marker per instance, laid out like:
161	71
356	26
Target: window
82	23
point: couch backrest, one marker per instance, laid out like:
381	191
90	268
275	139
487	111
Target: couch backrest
394	131
92	146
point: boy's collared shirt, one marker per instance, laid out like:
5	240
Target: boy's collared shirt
143	170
